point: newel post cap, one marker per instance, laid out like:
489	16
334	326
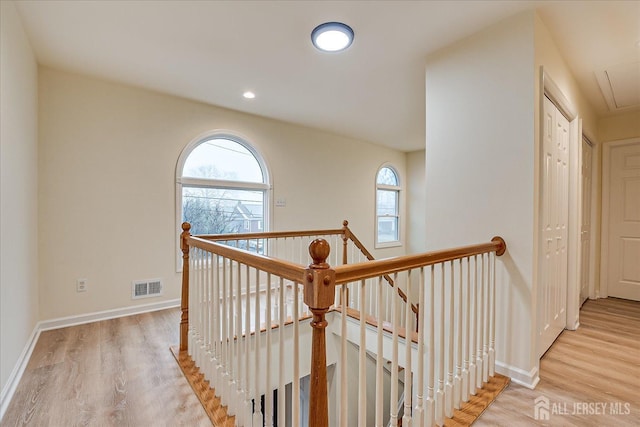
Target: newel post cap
186	228
320	278
319	250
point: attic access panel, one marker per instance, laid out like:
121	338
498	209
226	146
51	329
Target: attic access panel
620	86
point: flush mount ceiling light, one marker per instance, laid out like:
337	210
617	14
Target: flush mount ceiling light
332	36
249	95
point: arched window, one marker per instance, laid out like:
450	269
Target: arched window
387	207
222	186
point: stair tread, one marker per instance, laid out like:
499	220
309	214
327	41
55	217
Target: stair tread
210	402
478	403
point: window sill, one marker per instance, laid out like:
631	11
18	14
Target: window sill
388	245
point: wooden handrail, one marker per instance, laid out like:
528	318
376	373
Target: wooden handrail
284	269
270	235
349	235
364	270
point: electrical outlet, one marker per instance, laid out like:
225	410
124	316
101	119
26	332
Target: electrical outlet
81	285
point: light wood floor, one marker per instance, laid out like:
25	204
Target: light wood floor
120	372
598	363
117	372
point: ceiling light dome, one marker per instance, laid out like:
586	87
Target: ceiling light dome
332	36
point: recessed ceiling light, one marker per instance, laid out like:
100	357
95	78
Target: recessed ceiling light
332	36
249	95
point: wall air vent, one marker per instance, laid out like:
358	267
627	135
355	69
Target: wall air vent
146	288
620	86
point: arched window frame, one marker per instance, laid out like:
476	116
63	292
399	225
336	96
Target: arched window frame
182	181
384	243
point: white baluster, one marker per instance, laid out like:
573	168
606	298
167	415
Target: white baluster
431	356
449	331
379	360
395	316
295	411
457	380
240	338
193	304
268	393
209	317
389	290
406	416
473	310
191	300
362	359
420	402
371	298
224	395
198	312
485	323
218	372
344	392
202	312
492	310
281	355
257	412
440	393
248	410
465	339
480	324
232	358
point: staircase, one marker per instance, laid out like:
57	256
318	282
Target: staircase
244	326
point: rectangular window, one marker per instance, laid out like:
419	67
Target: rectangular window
220	210
387	216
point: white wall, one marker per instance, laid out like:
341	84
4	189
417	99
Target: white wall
416	203
18	192
620	126
548	56
107	162
480	167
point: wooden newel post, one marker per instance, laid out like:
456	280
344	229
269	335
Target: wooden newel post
184	305
319	292
345	240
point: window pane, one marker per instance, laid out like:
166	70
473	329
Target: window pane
387	176
387	202
222	211
222	159
388	229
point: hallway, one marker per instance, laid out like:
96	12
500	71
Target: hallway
583	370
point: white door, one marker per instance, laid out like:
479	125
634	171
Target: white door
585	228
624	222
552	287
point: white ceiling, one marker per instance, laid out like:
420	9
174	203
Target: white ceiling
212	51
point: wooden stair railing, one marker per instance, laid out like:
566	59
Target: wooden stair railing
472	293
348	235
345	233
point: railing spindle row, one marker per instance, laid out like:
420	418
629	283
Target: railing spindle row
430	319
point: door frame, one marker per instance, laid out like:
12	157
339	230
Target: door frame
603	292
551	90
593	207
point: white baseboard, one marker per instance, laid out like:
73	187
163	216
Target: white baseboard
14	378
575	325
45	325
527	379
63	322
